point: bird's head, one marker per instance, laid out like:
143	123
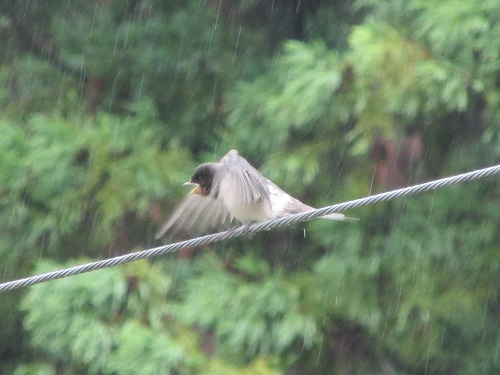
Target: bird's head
202	177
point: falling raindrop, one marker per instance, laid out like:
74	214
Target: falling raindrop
237	43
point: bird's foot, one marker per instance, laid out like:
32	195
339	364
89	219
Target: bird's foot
246	231
232	229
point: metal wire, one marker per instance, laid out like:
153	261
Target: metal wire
267	225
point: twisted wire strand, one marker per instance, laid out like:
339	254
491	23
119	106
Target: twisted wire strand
267	225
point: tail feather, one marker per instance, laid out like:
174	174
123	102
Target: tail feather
284	204
335	216
339	217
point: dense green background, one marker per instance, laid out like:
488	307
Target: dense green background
108	105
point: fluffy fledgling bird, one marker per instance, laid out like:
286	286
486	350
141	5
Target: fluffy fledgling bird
229	189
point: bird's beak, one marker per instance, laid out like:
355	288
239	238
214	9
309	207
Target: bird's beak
196	190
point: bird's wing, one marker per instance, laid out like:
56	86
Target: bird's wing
239	180
284	204
196	214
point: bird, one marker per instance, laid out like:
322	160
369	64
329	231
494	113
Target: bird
232	189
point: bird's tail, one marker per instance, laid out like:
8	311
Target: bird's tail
334	216
339	217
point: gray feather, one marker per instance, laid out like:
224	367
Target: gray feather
196	214
241	178
237	190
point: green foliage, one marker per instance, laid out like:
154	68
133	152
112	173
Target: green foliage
336	284
462	30
72	329
96	333
137	343
263	316
157	45
107	107
406	80
302	99
30	85
59	175
35	369
296	126
413	288
116	321
439	271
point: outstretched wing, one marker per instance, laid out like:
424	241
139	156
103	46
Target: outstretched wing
238	181
196	214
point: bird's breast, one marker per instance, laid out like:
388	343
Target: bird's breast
249	212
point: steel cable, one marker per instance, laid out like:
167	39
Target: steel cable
268	225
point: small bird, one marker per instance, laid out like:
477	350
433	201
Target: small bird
228	189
